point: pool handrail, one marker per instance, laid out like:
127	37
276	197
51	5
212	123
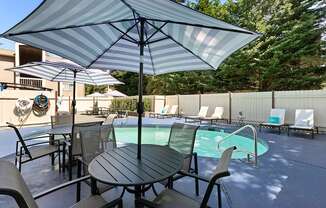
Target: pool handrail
254	133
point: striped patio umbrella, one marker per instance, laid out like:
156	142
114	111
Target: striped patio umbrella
151	37
67	72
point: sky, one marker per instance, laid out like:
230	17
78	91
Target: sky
11	12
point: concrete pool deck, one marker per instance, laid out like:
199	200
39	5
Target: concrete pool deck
291	174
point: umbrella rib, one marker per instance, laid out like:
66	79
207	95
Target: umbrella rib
58	74
115	27
148	38
204	26
133	13
130	7
183	46
111	45
150	53
63	28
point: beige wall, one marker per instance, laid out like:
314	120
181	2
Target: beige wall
8	100
5	63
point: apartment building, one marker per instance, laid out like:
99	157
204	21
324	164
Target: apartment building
25	54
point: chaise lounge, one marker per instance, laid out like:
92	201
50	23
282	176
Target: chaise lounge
275	120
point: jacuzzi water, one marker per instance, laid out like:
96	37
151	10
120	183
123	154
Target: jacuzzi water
206	141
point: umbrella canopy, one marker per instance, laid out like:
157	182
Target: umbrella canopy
67	72
151	37
96	94
64	72
106	34
115	93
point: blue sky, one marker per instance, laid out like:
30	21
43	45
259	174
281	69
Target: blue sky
11	12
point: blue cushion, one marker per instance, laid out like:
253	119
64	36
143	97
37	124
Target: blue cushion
274	119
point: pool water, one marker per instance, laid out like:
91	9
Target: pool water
206	141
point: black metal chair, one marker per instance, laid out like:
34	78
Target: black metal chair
94	141
27	149
12	184
74	146
182	139
59	120
171	198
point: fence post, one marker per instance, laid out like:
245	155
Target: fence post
273	99
178	102
69	104
199	101
230	107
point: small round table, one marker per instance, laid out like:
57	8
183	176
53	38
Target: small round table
120	167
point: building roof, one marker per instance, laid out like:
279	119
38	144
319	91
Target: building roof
6	52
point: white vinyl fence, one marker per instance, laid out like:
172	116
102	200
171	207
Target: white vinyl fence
255	106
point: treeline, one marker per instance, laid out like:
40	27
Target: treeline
290	54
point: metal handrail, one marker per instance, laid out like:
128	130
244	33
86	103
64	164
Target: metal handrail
254	133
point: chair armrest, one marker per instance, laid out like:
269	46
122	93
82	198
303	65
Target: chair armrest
38	137
146	203
201	178
45	142
61	186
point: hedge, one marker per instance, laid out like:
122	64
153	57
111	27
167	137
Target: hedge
129	104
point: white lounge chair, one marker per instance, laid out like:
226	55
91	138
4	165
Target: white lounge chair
165	109
275	120
173	112
202	114
217	115
304	120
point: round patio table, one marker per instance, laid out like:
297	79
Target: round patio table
120	167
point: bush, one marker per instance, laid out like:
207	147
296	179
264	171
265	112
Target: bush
129	104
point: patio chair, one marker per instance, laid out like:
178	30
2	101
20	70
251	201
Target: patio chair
216	116
172	198
12	184
61	120
110	118
182	139
202	114
165	109
74	144
304	120
28	149
94	141
172	113
275	120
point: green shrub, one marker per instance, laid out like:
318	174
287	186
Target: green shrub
129	104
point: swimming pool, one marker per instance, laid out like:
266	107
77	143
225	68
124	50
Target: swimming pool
206	141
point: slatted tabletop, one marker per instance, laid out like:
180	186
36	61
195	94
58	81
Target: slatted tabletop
121	166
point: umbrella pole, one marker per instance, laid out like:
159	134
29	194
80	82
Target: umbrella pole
73	104
140	104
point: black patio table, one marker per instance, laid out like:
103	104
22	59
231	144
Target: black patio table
120	167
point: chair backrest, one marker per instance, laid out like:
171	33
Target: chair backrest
21	139
165	109
110	118
203	111
96	140
278	112
222	170
174	109
304	117
75	142
218	112
12	184
182	139
60	120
